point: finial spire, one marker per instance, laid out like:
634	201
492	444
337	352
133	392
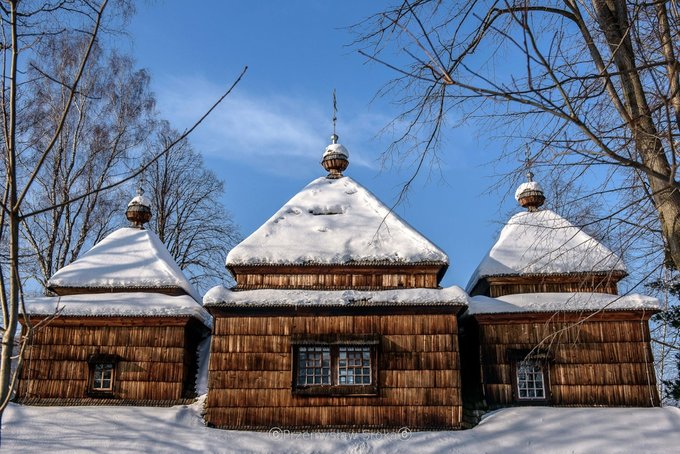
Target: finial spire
336	157
335	112
528	162
139	209
530	194
334	137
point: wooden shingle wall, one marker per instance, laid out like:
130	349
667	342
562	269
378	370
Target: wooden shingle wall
250	378
153	362
335	277
495	286
594	362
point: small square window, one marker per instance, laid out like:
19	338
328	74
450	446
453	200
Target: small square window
102	378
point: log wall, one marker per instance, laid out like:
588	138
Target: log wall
335	277
495	286
598	362
154	361
251	386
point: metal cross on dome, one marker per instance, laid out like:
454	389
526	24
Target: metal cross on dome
335	111
527	163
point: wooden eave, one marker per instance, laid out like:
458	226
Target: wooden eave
564	316
99	402
65	291
111	320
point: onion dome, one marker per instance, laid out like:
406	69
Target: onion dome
335	158
530	194
139	210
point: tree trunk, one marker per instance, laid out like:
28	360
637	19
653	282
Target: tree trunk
12	313
612	16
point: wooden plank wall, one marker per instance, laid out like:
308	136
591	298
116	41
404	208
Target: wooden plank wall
593	363
501	289
340	280
250	378
151	362
496	286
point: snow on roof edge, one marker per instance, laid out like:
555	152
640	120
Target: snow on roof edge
560	302
122	304
221	296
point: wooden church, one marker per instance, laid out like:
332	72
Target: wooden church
337	319
546	324
123	329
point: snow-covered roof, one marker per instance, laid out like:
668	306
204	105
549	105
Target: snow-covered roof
335	221
127	258
220	296
543	242
122	304
560	302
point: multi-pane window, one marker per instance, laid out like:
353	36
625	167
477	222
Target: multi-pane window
314	366
335	364
530	381
102	378
354	366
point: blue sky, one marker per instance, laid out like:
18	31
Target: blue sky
266	140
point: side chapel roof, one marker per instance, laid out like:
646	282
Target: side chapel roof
125	274
127	258
540	241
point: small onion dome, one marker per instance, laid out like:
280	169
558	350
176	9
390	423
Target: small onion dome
530	194
335	159
139	210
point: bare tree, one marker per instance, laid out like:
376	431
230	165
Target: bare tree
189	216
111	116
592	86
24	24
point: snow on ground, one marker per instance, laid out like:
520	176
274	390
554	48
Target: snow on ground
181	429
203	365
335	221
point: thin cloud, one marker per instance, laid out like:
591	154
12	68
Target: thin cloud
251	127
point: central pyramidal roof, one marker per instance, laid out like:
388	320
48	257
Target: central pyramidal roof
335	221
543	242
